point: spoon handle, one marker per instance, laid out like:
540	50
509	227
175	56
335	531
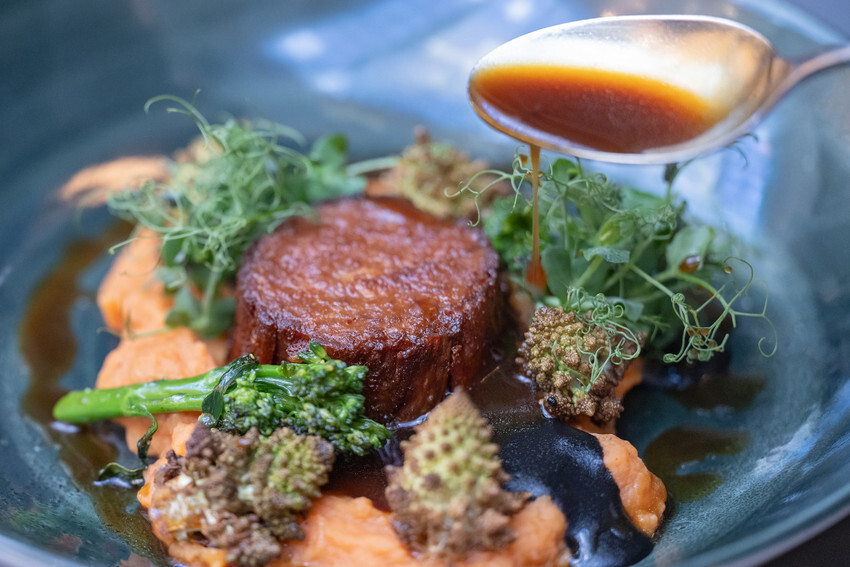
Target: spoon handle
796	70
830	57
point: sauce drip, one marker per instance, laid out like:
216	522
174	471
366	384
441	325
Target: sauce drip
690	264
535	275
603	110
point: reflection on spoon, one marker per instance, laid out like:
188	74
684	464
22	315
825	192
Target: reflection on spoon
636	89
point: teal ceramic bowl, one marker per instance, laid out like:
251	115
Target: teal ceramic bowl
75	79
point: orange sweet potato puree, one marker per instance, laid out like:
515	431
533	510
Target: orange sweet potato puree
643	494
346	531
341	531
134	305
92	185
131	298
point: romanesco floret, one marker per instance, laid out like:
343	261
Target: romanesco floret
240	493
429	173
576	363
447	498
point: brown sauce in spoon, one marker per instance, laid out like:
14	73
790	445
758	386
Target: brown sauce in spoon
603	110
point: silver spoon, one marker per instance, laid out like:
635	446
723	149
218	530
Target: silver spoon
731	72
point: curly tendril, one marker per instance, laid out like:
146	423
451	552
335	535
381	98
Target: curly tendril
700	339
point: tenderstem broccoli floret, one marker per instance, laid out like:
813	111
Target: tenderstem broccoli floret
576	363
240	493
319	396
447	498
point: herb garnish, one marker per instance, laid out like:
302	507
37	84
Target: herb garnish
603	244
242	182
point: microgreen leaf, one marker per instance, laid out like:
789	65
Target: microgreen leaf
633	249
144	443
213	405
632	310
125	475
186	308
173	252
557	263
635	200
691	242
173	277
613	255
133	476
330	150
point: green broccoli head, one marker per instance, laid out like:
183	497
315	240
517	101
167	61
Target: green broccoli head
241	493
447	498
320	396
329	400
576	363
246	408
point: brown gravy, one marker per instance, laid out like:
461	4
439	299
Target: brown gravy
604	110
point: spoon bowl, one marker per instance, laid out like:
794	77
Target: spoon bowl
636	89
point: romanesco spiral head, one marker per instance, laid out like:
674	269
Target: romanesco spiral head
575	363
429	173
447	498
242	493
287	472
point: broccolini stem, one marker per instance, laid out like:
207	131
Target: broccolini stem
165	395
135	400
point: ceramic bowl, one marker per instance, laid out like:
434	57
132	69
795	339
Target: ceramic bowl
76	77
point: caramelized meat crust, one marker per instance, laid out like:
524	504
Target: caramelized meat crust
380	283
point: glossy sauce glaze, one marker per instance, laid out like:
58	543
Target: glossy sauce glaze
689	458
672	453
603	110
